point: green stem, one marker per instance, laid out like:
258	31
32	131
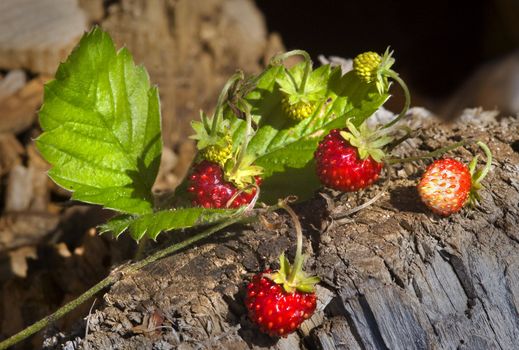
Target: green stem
299	259
432	154
308	66
221	99
112	278
248	136
391	73
488	164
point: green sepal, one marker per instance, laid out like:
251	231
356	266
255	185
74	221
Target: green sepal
382	82
242	175
368	142
472	166
203	135
307	285
280	277
314	90
301	282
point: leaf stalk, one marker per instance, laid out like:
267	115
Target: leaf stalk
222	98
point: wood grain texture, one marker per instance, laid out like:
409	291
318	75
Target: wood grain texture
394	276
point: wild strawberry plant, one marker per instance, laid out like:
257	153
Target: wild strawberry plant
102	135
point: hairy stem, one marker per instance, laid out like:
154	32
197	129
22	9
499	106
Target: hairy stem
407	95
299	259
308	66
488	164
248	136
222	98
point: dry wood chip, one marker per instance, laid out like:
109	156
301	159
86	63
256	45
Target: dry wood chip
11	83
10	152
20	229
38	34
18	111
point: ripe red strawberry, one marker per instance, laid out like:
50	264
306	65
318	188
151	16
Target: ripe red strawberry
276	311
211	190
346	167
279	302
445	186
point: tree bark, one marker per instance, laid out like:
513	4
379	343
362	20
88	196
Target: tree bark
394	276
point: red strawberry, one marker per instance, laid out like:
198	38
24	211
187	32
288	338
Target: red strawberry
211	190
445	186
276	311
448	184
340	165
279	302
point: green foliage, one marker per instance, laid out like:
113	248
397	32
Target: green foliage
285	149
289	82
152	224
101	122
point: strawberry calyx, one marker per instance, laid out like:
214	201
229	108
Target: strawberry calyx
291	276
214	141
300	280
369	142
478	175
240	169
370	67
242	173
300	88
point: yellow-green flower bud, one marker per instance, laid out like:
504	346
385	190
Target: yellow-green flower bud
217	153
366	65
297	111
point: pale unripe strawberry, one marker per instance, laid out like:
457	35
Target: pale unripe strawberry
297	111
217	153
445	186
366	65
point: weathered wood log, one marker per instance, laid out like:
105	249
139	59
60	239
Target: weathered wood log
394	276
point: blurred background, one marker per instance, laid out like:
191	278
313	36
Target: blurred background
453	54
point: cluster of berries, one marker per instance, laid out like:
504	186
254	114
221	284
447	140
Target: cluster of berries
348	160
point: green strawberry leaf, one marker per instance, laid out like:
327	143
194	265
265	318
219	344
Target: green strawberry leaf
153	224
101	123
117	225
289	82
285	149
